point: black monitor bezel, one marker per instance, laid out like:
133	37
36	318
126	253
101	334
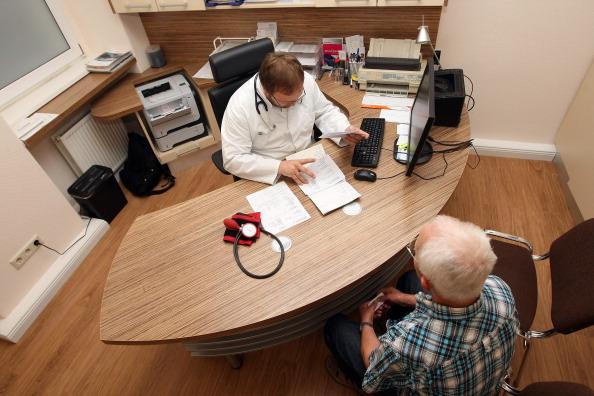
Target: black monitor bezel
428	125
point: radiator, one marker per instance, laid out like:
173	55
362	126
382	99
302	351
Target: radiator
90	142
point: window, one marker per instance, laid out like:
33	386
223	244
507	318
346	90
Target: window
35	43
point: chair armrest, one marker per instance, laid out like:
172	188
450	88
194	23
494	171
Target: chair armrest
509	388
518	239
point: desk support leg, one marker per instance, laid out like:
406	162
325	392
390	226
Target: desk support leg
235	361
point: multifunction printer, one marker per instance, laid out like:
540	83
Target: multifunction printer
171	111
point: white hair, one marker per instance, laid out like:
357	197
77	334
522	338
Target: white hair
456	257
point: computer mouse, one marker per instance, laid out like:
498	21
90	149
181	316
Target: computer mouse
365	175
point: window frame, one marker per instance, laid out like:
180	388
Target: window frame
37	77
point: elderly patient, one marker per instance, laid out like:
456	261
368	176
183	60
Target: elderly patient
451	326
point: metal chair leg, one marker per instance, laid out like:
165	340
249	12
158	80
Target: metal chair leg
236	361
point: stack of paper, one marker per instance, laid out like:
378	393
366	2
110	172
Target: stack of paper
267	29
279	207
329	190
402	143
109	61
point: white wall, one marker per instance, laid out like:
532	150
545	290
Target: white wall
526	58
31	204
575	140
98	29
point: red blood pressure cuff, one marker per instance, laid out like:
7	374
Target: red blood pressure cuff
242	218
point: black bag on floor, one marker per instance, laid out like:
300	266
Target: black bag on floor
142	171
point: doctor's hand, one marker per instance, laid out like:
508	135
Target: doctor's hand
295	170
355	135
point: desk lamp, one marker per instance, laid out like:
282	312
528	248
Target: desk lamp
423	38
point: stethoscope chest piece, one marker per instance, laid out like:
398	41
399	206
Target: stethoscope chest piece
249	230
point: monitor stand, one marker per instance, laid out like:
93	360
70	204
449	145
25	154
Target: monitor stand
425	156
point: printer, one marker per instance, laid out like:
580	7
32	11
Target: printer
392	66
171	111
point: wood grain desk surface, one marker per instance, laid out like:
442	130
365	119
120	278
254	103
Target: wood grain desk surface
174	279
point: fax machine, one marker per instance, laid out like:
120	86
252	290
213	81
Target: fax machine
392	66
171	111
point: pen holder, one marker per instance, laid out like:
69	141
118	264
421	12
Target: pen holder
354	67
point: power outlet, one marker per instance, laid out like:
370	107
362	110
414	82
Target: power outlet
24	254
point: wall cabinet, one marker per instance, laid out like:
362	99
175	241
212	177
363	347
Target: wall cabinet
346	3
126	6
411	3
180	5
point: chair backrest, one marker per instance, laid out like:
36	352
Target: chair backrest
572	277
232	68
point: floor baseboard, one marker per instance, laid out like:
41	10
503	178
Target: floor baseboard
24	314
511	149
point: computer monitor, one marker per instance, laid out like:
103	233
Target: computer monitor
422	116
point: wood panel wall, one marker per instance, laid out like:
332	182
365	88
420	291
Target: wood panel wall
186	37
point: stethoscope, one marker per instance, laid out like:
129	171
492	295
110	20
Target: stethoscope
249	230
259	100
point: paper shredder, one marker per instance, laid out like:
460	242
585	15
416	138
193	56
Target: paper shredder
98	193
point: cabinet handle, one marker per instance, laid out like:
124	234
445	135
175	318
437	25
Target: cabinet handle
180	4
146	5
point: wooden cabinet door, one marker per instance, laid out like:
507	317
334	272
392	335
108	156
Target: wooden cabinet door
180	5
125	6
400	3
346	3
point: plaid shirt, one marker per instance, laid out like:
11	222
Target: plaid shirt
439	350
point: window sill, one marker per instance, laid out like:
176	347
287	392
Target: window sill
41	94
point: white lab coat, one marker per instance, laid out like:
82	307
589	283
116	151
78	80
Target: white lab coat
254	145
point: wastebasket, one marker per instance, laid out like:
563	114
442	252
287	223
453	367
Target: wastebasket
98	193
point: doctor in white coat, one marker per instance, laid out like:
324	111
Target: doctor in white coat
272	116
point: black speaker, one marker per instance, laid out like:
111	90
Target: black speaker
449	96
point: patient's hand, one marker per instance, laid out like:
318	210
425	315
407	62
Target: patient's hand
395	296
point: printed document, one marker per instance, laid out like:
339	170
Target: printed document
279	207
387	102
397	116
315	151
329	190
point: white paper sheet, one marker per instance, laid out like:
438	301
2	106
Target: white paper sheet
402	129
204	72
280	208
334	134
397	116
32	124
327	174
304	48
392	102
334	197
315	151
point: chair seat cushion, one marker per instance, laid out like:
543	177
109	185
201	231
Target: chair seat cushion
556	389
572	278
515	266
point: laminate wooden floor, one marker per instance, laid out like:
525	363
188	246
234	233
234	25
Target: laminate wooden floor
61	353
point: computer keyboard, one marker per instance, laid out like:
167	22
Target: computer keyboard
367	152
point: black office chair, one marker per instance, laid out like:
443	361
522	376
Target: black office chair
571	258
231	69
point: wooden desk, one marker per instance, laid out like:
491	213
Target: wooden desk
81	93
123	100
174	280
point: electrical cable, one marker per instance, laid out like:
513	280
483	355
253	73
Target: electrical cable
470	95
37	242
393	176
437	176
477	156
